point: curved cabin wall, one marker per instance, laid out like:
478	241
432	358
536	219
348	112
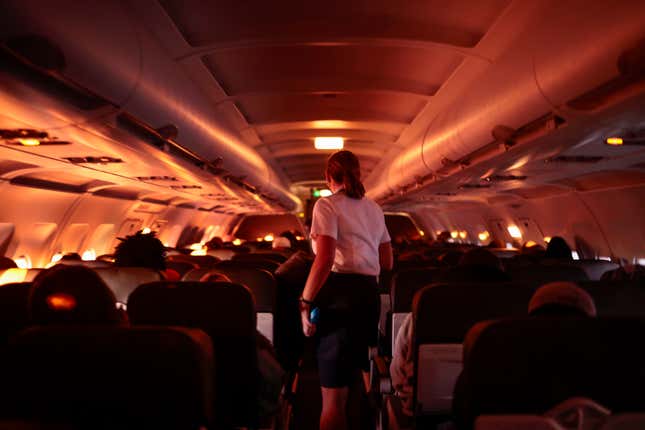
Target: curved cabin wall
107	53
574	49
606	222
43	220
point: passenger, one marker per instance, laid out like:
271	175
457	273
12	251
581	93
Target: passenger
281	243
7	263
214	277
71	256
351	244
557	249
632	272
215	243
72	295
143	250
291	237
561	299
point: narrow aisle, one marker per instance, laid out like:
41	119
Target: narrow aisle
308	399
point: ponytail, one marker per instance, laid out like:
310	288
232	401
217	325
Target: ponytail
343	167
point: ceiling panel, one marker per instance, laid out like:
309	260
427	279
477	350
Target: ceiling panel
456	22
350	107
332	69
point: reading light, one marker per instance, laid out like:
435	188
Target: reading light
514	231
615	141
547	239
258	239
268	238
483	236
237	242
454	234
325	193
29	142
329	142
463	234
146	230
61	302
422	233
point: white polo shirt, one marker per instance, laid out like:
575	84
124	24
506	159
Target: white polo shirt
358	225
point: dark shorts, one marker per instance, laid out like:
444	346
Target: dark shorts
348	325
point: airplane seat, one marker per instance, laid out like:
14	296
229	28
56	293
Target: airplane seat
205	261
225	311
124	280
253	256
109	377
263	286
405	284
221	254
545	273
595	268
529	365
473	273
617	298
264	264
442	314
92	264
181	267
14	314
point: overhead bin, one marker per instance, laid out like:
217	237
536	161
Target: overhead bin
576	48
107	51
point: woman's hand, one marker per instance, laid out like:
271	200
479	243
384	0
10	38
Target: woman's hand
308	328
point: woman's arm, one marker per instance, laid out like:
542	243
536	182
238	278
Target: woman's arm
325	251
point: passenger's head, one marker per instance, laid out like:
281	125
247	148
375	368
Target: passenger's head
343	168
215	243
7	263
140	250
281	243
480	257
291	237
558	249
561	299
71	295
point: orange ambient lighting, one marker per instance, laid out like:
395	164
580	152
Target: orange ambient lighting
29	142
616	141
10	276
463	234
61	302
268	238
237	242
329	142
514	231
454	234
547	239
483	236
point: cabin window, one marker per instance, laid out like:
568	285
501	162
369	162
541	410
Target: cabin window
6	234
33	241
101	239
73	237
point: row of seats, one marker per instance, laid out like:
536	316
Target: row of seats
444	313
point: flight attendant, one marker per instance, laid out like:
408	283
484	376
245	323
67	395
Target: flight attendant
352	245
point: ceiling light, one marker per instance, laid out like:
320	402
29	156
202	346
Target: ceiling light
329	142
483	236
454	234
463	234
89	255
547	239
514	231
268	237
237	242
325	193
616	141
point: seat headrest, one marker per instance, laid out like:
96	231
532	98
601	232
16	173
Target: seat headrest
115	375
123	280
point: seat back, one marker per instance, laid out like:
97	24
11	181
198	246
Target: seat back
263	264
617	298
443	314
224	311
14	314
254	256
595	268
110	377
124	280
405	285
529	365
544	273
